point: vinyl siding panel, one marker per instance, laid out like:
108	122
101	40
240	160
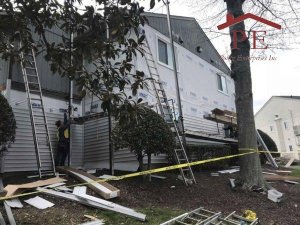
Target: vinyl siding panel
77	141
21	154
4	69
96	149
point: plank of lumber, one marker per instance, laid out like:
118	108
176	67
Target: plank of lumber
2	221
81	194
104	189
9	214
280	178
13	189
221	119
129	212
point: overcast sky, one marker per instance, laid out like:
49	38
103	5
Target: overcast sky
279	77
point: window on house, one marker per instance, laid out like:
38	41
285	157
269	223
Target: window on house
222	85
271	128
285	125
163	52
291	148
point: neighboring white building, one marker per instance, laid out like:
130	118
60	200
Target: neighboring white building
205	84
280	119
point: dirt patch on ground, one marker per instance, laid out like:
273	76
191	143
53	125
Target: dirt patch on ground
213	193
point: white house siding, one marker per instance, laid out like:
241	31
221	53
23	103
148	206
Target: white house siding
198	80
198	85
21	154
287	110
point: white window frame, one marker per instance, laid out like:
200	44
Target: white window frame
226	84
169	53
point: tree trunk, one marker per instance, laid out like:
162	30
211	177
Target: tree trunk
149	166
141	163
250	172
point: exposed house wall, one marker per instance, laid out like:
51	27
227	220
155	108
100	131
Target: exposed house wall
21	154
277	118
199	93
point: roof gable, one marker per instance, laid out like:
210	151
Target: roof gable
192	35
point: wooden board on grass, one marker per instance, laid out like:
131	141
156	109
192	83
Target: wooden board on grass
104	189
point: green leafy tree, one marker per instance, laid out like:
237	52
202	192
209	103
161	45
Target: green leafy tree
7	124
31	21
147	134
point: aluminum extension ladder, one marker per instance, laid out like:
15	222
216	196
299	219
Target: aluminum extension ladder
40	130
202	216
166	112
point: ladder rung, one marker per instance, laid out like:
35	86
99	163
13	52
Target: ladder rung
193	219
31	75
38	91
39	99
183	223
183	160
30	68
33	83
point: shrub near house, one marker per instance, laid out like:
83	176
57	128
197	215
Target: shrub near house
7	124
148	134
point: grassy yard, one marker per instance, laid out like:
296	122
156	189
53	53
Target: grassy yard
296	171
155	216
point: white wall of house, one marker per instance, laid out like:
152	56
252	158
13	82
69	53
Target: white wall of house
277	118
198	81
51	104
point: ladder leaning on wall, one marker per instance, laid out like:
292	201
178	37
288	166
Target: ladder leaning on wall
40	130
166	112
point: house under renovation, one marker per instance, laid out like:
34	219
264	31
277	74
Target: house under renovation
204	82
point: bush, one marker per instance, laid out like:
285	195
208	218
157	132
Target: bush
147	134
202	152
7	124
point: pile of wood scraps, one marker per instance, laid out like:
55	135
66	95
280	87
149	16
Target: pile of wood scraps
281	175
77	193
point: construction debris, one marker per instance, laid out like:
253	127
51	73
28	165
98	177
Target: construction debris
63	188
158	177
2	221
232	184
290	162
55	185
104	189
214	174
275	195
230	171
105	204
96	222
9	214
105	176
17	189
268	173
280	178
205	217
291	182
14	203
39	203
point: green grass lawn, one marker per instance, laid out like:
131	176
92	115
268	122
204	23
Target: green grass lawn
296	171
155	216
